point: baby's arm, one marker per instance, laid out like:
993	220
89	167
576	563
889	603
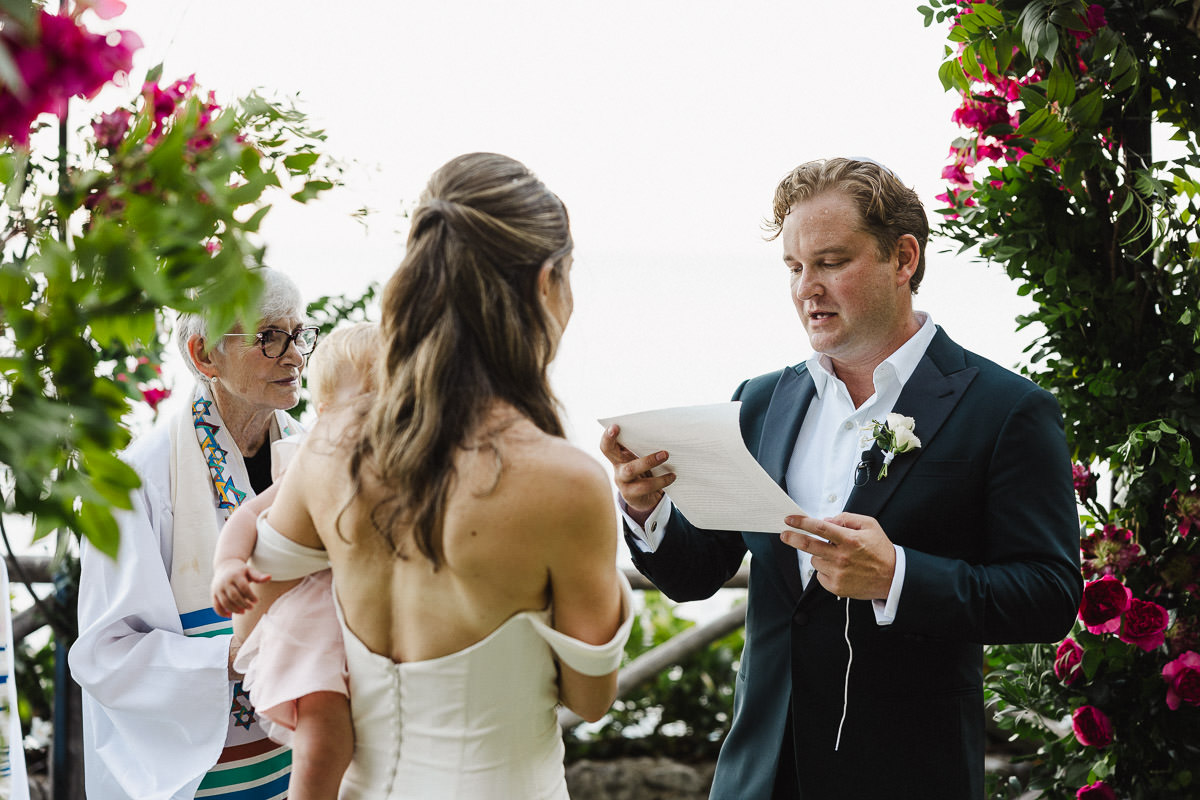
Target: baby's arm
233	577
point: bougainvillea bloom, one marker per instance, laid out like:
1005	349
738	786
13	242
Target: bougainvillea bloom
1092	727
154	396
1183	680
1104	601
111	128
1096	791
1068	661
1144	624
57	61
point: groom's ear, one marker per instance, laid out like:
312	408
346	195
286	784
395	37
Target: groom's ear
908	256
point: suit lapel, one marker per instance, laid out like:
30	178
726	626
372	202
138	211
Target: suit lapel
929	395
781	425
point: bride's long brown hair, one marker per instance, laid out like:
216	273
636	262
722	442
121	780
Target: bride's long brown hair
463	327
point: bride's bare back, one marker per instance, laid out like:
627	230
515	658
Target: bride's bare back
529	521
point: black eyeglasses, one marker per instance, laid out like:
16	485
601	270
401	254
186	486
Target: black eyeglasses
274	342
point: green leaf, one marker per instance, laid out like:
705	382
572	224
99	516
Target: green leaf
1060	87
300	163
154	74
311	189
970	62
252	224
989	14
987	56
1085	112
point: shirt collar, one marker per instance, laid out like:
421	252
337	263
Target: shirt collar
901	363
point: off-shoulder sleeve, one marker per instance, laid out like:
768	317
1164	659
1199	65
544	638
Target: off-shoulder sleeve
592	659
282	558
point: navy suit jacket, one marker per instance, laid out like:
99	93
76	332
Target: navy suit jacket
985	510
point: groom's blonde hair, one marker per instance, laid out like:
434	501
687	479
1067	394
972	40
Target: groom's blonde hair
888	209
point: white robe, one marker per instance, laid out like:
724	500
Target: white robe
156	703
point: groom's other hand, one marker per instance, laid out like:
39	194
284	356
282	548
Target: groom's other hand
856	560
640	490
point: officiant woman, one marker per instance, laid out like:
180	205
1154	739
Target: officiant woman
164	713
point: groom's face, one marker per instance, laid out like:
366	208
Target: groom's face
850	300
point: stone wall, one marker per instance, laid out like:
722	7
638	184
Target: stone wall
639	779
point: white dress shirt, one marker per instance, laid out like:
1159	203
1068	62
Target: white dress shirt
820	474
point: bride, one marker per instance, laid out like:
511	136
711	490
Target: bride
473	549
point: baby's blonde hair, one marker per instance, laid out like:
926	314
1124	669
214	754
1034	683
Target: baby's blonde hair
346	356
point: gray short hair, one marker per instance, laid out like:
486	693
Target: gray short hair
280	298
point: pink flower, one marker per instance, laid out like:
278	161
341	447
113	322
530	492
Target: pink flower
1104	601
105	9
154	396
57	61
1084	480
1092	727
956	174
110	129
1096	791
1068	661
1187	508
1144	624
1183	680
1109	551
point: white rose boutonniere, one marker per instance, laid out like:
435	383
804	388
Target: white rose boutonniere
894	436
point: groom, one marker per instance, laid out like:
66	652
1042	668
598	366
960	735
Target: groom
861	676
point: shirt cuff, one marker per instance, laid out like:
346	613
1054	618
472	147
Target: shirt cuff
648	537
885	610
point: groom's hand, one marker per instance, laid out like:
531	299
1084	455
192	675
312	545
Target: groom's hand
857	561
640	490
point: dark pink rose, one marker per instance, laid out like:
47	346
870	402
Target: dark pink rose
1096	791
1144	624
1104	601
1092	727
1183	680
1068	661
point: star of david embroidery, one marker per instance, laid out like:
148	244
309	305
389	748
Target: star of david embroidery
242	712
231	496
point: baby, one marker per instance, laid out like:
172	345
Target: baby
292	656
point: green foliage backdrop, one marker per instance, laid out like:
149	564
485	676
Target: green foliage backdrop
1056	180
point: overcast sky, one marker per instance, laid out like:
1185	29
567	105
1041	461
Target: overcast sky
664	126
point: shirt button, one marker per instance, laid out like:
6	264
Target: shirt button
654	526
849	425
832	498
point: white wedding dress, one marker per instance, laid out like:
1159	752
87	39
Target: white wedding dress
478	724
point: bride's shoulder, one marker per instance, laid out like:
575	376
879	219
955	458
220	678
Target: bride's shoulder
556	477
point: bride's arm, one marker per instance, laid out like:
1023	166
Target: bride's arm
584	580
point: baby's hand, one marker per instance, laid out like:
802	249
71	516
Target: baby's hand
232	590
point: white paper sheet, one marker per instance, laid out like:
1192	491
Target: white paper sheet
718	484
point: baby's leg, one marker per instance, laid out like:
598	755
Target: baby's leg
322	746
